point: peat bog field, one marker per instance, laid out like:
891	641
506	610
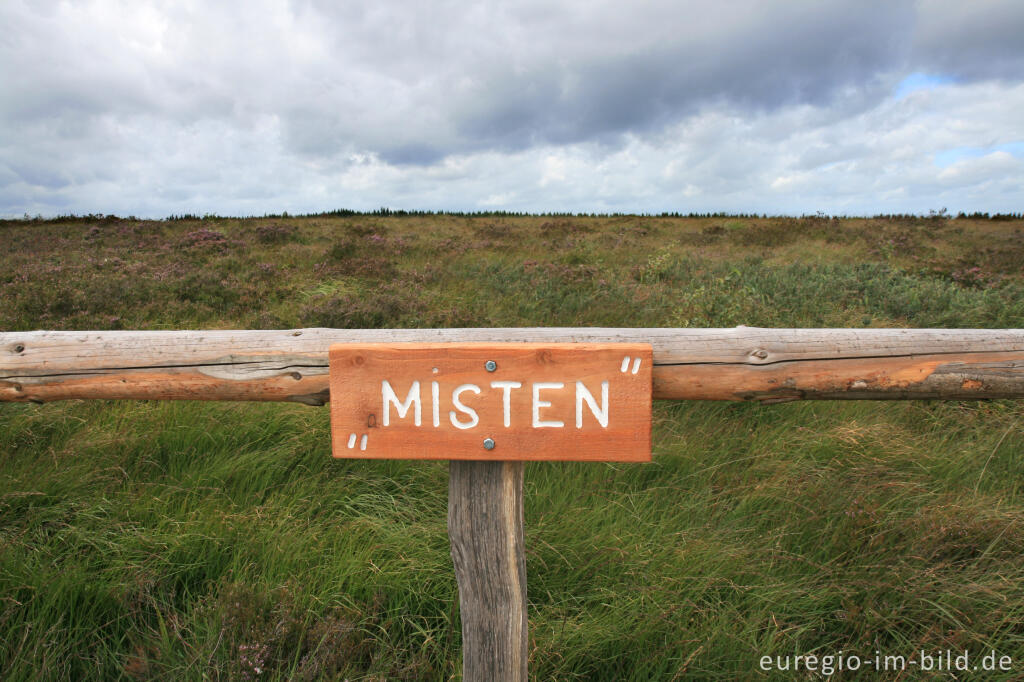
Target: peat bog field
185	540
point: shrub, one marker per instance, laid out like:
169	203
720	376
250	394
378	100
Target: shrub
385	307
276	234
204	238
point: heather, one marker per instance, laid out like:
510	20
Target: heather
143	540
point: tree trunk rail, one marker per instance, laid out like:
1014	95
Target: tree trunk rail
742	363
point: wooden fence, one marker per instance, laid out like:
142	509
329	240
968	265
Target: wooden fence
764	365
485	508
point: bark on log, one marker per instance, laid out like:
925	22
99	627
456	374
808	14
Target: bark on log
485	524
767	365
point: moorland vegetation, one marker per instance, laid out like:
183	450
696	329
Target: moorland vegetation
144	540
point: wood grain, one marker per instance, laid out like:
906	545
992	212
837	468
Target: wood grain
569	401
485	526
766	365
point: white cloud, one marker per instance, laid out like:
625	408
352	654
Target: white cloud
160	107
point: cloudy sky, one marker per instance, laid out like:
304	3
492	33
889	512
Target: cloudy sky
150	108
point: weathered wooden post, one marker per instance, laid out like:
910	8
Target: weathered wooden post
485	525
488	407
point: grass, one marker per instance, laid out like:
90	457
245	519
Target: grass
149	540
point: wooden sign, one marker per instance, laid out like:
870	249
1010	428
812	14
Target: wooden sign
492	401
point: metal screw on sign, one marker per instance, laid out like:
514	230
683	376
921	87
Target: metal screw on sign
488	443
491	365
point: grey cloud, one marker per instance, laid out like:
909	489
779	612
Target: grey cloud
972	41
790	54
422	154
353	77
41	175
310	105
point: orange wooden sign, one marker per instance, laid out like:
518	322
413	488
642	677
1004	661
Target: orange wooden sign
492	401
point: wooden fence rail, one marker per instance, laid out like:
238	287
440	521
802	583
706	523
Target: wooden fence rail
745	363
485	505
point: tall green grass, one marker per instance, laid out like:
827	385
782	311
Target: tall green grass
152	540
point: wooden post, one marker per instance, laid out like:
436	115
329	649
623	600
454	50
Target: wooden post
485	524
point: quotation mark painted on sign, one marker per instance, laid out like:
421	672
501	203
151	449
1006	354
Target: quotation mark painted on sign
352	441
625	365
